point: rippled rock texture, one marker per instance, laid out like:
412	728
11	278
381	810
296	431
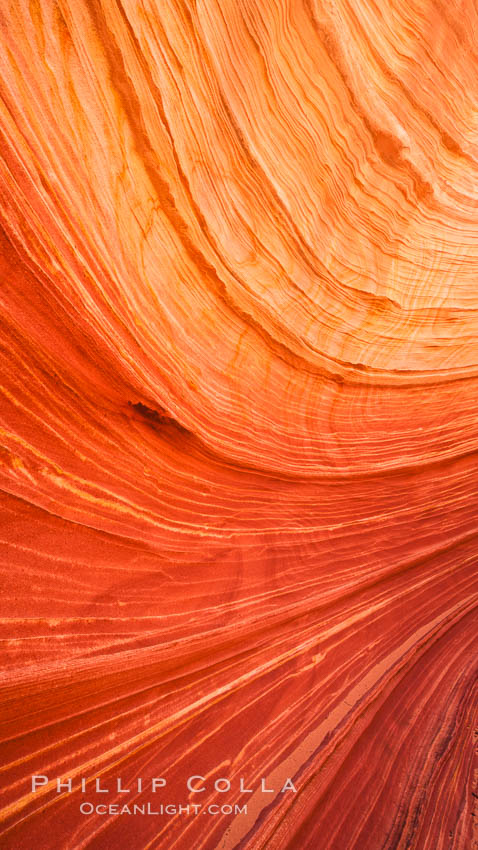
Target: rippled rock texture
239	262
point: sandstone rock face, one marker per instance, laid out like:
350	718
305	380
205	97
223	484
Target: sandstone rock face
239	262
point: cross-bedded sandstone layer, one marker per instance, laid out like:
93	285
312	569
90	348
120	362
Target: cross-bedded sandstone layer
239	261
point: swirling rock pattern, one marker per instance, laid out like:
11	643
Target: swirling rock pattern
239	258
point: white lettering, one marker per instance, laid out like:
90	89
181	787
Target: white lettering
189	784
38	780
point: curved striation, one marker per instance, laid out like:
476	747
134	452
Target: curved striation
238	424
